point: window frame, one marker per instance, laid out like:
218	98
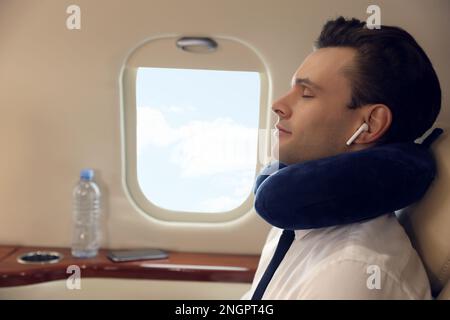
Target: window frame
230	51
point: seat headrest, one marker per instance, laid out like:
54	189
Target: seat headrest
427	222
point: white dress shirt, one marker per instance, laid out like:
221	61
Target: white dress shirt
373	259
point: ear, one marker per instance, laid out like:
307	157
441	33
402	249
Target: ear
379	119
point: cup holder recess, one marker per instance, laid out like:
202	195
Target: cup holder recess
40	257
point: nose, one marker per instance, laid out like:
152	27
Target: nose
281	107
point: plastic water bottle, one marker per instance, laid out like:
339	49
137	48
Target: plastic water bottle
86	216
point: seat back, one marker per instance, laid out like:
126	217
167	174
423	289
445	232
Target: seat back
427	222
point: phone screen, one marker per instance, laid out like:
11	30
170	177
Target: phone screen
140	254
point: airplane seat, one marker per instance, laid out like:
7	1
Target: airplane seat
427	222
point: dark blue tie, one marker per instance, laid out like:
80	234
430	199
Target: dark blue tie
283	246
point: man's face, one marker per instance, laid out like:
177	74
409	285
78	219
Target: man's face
315	110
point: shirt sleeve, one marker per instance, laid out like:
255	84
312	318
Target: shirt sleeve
352	279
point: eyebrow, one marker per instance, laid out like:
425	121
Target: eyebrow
306	82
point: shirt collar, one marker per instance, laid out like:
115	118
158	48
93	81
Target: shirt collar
301	233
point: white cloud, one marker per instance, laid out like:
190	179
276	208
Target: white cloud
153	129
178	109
241	184
199	148
220	150
219	146
244	183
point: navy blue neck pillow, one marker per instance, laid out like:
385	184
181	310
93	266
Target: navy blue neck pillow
345	188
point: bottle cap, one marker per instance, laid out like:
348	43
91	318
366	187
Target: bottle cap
87	174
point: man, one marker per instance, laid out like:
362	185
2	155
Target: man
355	75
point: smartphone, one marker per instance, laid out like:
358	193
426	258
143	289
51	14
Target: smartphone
135	255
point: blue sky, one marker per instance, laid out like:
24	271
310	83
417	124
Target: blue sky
196	137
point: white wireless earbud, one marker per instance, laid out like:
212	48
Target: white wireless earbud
364	127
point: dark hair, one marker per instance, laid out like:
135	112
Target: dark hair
392	69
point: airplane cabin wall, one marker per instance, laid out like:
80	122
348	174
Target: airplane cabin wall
60	102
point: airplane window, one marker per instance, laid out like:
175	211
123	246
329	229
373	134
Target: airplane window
196	137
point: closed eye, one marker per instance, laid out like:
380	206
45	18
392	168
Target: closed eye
307	93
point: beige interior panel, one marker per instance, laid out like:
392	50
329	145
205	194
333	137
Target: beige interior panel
121	289
60	102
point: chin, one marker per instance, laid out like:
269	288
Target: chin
279	152
282	151
285	158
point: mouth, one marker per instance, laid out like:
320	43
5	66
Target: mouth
282	131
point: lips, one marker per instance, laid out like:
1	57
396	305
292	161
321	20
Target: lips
281	129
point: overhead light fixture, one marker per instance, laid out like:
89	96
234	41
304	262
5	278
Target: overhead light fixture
197	44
